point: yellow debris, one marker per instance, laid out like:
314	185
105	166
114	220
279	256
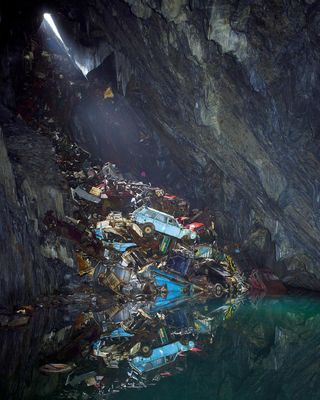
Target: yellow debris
95	191
90	381
231	265
84	266
108	93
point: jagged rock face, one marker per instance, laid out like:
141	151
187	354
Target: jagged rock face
30	185
231	88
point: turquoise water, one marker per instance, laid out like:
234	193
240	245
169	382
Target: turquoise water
253	349
268	350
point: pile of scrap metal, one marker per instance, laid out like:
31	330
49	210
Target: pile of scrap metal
148	252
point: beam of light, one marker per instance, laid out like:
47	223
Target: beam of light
52	25
48	18
83	68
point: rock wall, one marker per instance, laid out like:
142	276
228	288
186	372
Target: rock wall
231	88
34	261
30	185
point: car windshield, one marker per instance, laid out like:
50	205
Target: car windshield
172	221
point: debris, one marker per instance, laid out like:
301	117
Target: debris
121	247
120	332
180	264
84	265
77	379
55	368
108	93
164	245
86	196
26	310
18	321
146	251
203	251
96	191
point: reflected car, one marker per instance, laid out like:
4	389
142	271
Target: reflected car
160	357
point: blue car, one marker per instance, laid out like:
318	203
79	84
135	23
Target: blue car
173	285
160	357
121	247
154	220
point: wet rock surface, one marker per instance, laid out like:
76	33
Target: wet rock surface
259	247
235	89
31	185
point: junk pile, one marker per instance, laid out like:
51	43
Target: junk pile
127	234
139	241
160	260
131	238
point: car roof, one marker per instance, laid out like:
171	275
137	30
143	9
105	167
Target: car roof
157	211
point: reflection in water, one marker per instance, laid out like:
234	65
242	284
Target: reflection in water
226	349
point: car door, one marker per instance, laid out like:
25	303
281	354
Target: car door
160	223
148	216
173	228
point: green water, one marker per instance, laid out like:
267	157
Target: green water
267	350
264	349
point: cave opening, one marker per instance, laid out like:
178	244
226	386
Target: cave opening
159	191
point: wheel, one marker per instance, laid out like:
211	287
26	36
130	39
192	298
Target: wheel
148	229
145	350
218	289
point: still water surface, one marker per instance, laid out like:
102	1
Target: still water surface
243	349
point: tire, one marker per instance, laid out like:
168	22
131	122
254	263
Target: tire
148	229
218	290
145	350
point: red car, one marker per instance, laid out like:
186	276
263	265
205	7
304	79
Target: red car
198	227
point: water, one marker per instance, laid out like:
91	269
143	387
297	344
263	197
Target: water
263	348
